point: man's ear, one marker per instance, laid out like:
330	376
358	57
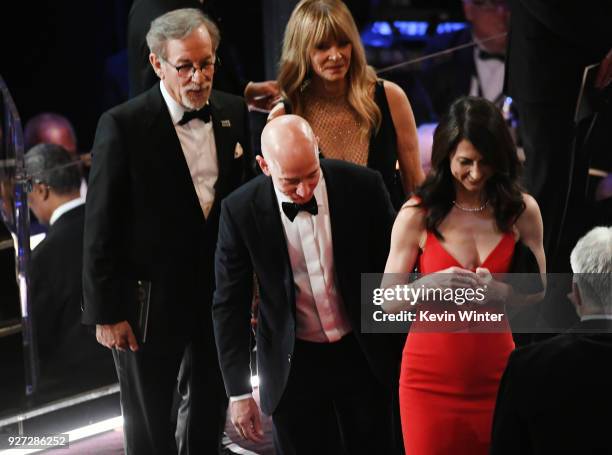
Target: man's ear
40	190
263	165
576	298
156	64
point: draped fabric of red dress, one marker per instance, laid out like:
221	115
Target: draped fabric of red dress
449	381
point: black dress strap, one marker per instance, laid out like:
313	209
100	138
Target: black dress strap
382	154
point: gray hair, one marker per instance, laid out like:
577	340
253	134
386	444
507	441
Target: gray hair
591	261
178	24
53	165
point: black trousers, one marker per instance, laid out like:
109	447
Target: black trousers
148	383
332	383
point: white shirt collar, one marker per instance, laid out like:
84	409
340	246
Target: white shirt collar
591	317
319	192
65	207
176	110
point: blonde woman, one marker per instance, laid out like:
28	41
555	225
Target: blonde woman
324	77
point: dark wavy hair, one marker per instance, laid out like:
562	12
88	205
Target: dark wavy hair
480	122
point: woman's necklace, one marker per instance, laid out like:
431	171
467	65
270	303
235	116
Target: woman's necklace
470	209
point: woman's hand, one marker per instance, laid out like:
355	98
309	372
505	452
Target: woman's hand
450	278
496	291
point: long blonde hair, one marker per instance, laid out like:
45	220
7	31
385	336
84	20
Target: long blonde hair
313	22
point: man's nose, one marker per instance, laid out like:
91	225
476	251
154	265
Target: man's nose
199	75
301	189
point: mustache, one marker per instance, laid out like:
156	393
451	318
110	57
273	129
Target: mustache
196	87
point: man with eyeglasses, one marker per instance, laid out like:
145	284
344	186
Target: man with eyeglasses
162	163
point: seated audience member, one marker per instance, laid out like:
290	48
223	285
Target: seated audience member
475	70
555	395
52	128
66	351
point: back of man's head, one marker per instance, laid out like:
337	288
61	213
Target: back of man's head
49	127
591	262
52	165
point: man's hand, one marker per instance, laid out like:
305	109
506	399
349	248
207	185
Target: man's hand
262	95
245	417
119	335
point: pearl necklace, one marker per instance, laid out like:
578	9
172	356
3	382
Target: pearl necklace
469	209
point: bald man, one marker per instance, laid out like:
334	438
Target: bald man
307	229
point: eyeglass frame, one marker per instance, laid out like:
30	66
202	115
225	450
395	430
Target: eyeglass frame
213	64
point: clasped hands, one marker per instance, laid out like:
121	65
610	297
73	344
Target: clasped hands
458	277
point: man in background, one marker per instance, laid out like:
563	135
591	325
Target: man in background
68	354
555	396
474	70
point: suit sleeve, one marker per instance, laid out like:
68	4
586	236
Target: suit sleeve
105	217
250	166
510	435
45	309
585	23
231	307
381	224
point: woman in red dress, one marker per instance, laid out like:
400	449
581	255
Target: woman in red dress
464	220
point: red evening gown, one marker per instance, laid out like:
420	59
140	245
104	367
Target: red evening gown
449	381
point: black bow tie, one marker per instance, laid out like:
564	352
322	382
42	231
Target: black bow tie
203	114
484	55
291	209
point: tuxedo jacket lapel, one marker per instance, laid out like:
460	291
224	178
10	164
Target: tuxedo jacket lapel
224	143
339	215
270	233
169	153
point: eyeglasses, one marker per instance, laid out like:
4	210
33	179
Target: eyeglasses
187	70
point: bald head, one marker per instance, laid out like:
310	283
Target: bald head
50	128
290	157
287	138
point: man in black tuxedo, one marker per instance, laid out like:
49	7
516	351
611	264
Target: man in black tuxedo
550	45
474	70
162	163
555	395
68	355
307	230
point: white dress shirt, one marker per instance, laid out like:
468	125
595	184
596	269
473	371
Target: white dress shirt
489	79
198	143
320	313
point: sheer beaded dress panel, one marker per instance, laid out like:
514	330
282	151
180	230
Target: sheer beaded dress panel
338	128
